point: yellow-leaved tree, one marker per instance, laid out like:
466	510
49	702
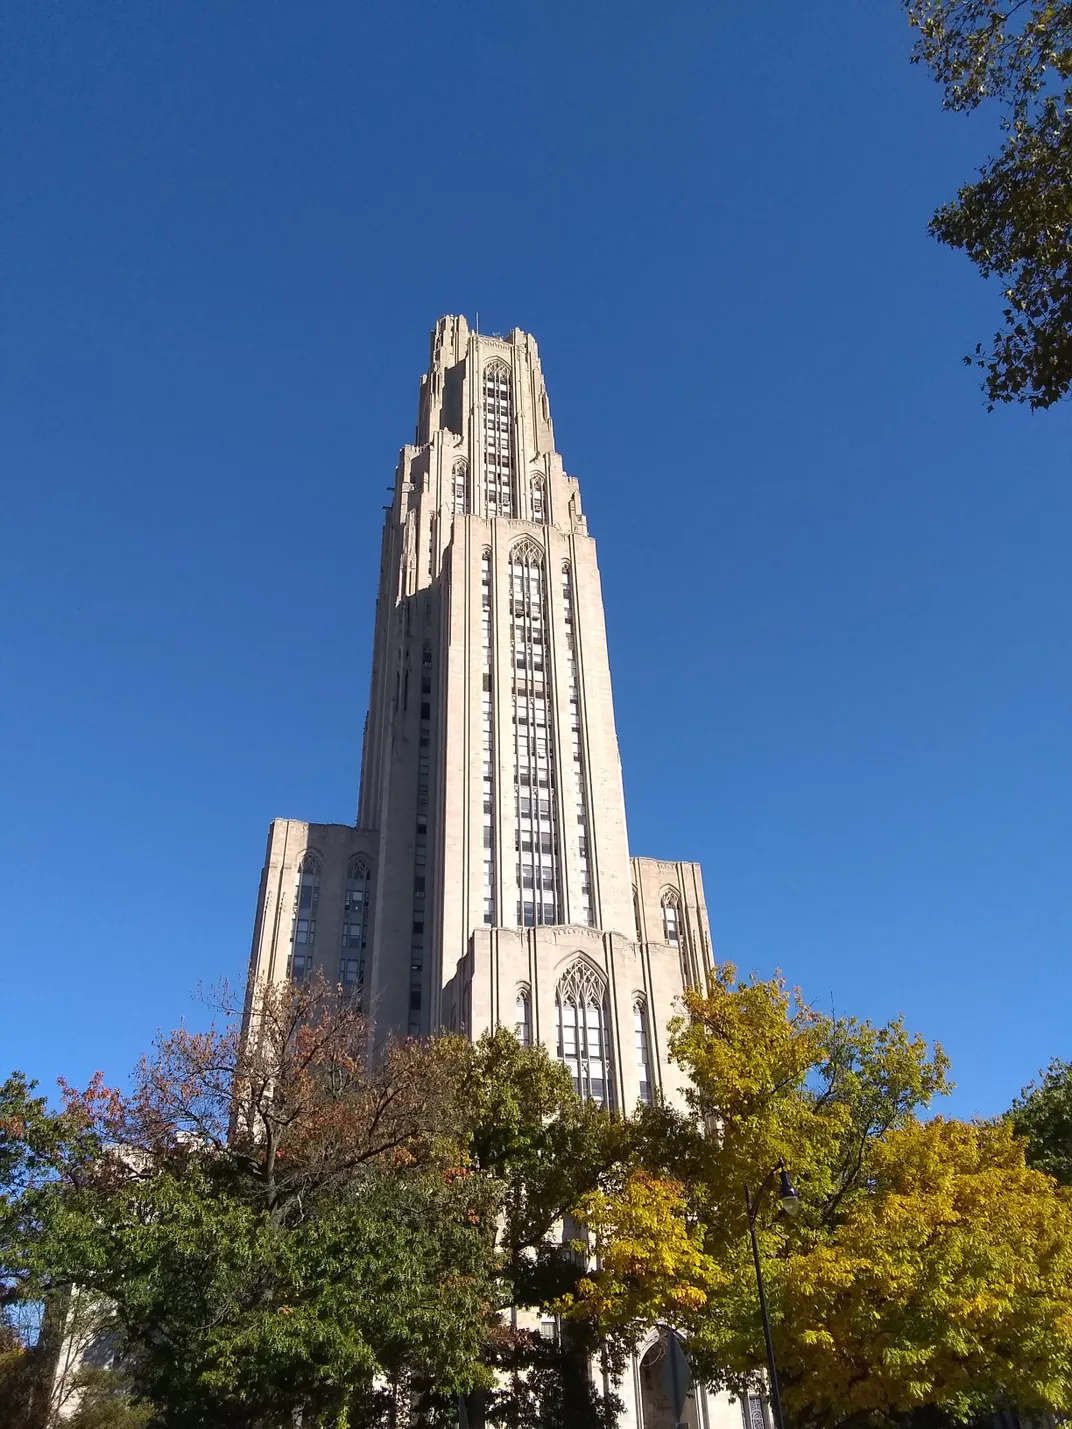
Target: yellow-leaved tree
928	1274
650	1257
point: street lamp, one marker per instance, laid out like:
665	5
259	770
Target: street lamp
790	1204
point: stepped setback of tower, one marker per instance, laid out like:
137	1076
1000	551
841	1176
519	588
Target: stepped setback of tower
487	880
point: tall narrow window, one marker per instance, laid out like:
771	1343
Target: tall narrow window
424	738
584	854
299	965
460	488
643	1049
539	506
417	936
355	920
539	871
303	927
306	898
523	1022
487	737
754	1410
417	942
424	758
583	1042
498	441
671	919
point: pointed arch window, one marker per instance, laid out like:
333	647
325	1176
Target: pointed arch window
583	1024
460	488
355	923
671	919
523	1017
303	926
306	898
539	883
539	502
498	441
643	1048
487	741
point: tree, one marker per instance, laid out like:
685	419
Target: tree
929	1270
276	1222
1015	221
282	1226
38	1149
230	1318
1043	1116
293	1106
41	1152
651	1258
523	1125
944	1284
18	1377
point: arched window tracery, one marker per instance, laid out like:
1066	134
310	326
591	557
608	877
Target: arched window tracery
498	440
582	1013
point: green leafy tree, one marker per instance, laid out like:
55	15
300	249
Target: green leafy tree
39	1149
1015	221
231	1318
275	1221
43	1154
282	1227
524	1126
1042	1114
17	1376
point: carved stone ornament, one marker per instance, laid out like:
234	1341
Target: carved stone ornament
526	550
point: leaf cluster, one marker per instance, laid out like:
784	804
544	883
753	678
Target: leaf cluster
1015	221
1042	1115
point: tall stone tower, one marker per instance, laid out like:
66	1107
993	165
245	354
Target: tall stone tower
487	880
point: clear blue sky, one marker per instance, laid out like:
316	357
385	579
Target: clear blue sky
841	641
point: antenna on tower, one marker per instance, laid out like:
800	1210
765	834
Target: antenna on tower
476	327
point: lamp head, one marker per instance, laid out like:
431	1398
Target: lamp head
787	1194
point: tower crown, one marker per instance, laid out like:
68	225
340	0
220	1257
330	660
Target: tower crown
485	445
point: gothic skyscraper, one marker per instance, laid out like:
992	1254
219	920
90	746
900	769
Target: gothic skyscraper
487	880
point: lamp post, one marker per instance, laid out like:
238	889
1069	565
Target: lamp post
790	1203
